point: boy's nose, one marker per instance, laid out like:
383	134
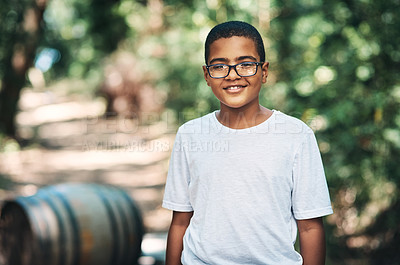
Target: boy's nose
232	75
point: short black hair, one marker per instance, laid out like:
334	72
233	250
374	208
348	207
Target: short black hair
235	28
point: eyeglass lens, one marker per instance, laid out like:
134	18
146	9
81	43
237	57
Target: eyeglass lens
242	69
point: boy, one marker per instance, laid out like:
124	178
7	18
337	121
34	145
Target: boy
244	178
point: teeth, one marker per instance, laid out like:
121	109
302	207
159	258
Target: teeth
234	87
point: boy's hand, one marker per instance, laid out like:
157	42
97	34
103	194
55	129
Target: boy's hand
312	241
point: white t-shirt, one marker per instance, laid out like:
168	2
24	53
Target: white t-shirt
246	188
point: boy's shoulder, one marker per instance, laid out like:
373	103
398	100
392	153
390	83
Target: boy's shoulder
288	124
197	125
279	122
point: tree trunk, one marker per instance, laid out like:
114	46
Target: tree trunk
23	44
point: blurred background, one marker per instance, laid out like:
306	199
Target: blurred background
93	91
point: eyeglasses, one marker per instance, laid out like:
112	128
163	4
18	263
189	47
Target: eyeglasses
242	69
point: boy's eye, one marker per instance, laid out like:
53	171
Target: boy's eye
218	67
246	65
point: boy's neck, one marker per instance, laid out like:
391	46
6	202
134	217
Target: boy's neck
243	118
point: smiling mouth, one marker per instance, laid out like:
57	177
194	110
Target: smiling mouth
234	88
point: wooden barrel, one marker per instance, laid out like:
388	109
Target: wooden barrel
72	224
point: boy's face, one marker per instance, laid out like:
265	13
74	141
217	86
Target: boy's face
235	91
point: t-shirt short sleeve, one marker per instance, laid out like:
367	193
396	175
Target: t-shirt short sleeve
176	195
310	196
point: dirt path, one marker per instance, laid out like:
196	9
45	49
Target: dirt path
73	141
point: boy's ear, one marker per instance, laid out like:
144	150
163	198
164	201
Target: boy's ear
264	69
206	76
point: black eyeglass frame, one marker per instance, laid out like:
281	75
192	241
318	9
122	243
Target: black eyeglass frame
234	67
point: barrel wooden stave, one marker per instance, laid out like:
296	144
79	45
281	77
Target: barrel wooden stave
75	223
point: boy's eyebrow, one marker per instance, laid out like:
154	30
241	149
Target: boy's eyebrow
218	59
240	58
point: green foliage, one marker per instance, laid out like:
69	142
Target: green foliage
167	39
84	32
334	64
340	61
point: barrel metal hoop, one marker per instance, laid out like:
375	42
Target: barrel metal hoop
61	224
113	222
126	255
138	220
74	225
43	236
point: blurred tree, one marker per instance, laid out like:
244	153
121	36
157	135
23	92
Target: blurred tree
338	67
334	64
83	32
20	33
167	41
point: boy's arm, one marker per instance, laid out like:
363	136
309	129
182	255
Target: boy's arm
312	241
179	223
